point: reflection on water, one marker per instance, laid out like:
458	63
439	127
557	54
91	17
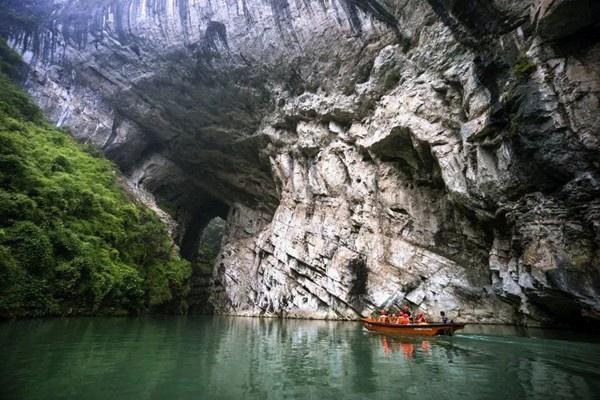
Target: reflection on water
234	358
407	346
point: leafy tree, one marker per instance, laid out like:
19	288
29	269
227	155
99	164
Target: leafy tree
71	241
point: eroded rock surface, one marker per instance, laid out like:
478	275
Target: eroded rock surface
365	153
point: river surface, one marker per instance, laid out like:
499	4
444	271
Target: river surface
248	358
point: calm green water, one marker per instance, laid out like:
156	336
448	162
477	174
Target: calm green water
247	358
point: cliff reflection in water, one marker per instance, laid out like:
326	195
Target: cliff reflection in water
232	358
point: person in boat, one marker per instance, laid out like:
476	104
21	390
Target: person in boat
420	319
406	310
397	315
444	318
404	319
383	315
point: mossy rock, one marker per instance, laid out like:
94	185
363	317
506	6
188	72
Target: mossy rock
523	67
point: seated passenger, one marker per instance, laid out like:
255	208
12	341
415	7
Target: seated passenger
397	317
404	319
444	318
420	319
383	315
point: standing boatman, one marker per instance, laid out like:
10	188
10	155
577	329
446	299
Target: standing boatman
444	318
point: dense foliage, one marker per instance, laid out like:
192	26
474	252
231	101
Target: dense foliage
71	242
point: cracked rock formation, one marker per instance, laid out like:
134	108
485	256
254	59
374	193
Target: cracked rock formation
365	153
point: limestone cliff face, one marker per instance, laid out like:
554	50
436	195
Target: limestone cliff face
365	153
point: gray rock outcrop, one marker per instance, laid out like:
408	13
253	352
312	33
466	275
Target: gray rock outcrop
364	152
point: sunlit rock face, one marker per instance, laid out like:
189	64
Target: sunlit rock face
365	153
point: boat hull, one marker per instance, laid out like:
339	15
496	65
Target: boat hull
375	325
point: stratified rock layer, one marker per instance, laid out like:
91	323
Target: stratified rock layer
442	153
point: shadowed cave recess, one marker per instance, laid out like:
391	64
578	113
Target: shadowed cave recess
363	153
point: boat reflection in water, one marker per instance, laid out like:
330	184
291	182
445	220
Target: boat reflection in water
408	347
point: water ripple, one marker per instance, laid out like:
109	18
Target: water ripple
233	358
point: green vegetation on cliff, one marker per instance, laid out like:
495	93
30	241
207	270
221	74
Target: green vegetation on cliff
71	241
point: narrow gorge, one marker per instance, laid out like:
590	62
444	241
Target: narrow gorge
363	153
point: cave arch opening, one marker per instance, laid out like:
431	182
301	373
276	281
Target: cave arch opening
195	225
210	244
201	234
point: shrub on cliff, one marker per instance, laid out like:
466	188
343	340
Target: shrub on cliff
71	242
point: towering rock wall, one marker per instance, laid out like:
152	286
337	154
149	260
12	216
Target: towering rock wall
365	152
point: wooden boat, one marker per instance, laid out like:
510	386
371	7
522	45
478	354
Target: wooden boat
375	325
